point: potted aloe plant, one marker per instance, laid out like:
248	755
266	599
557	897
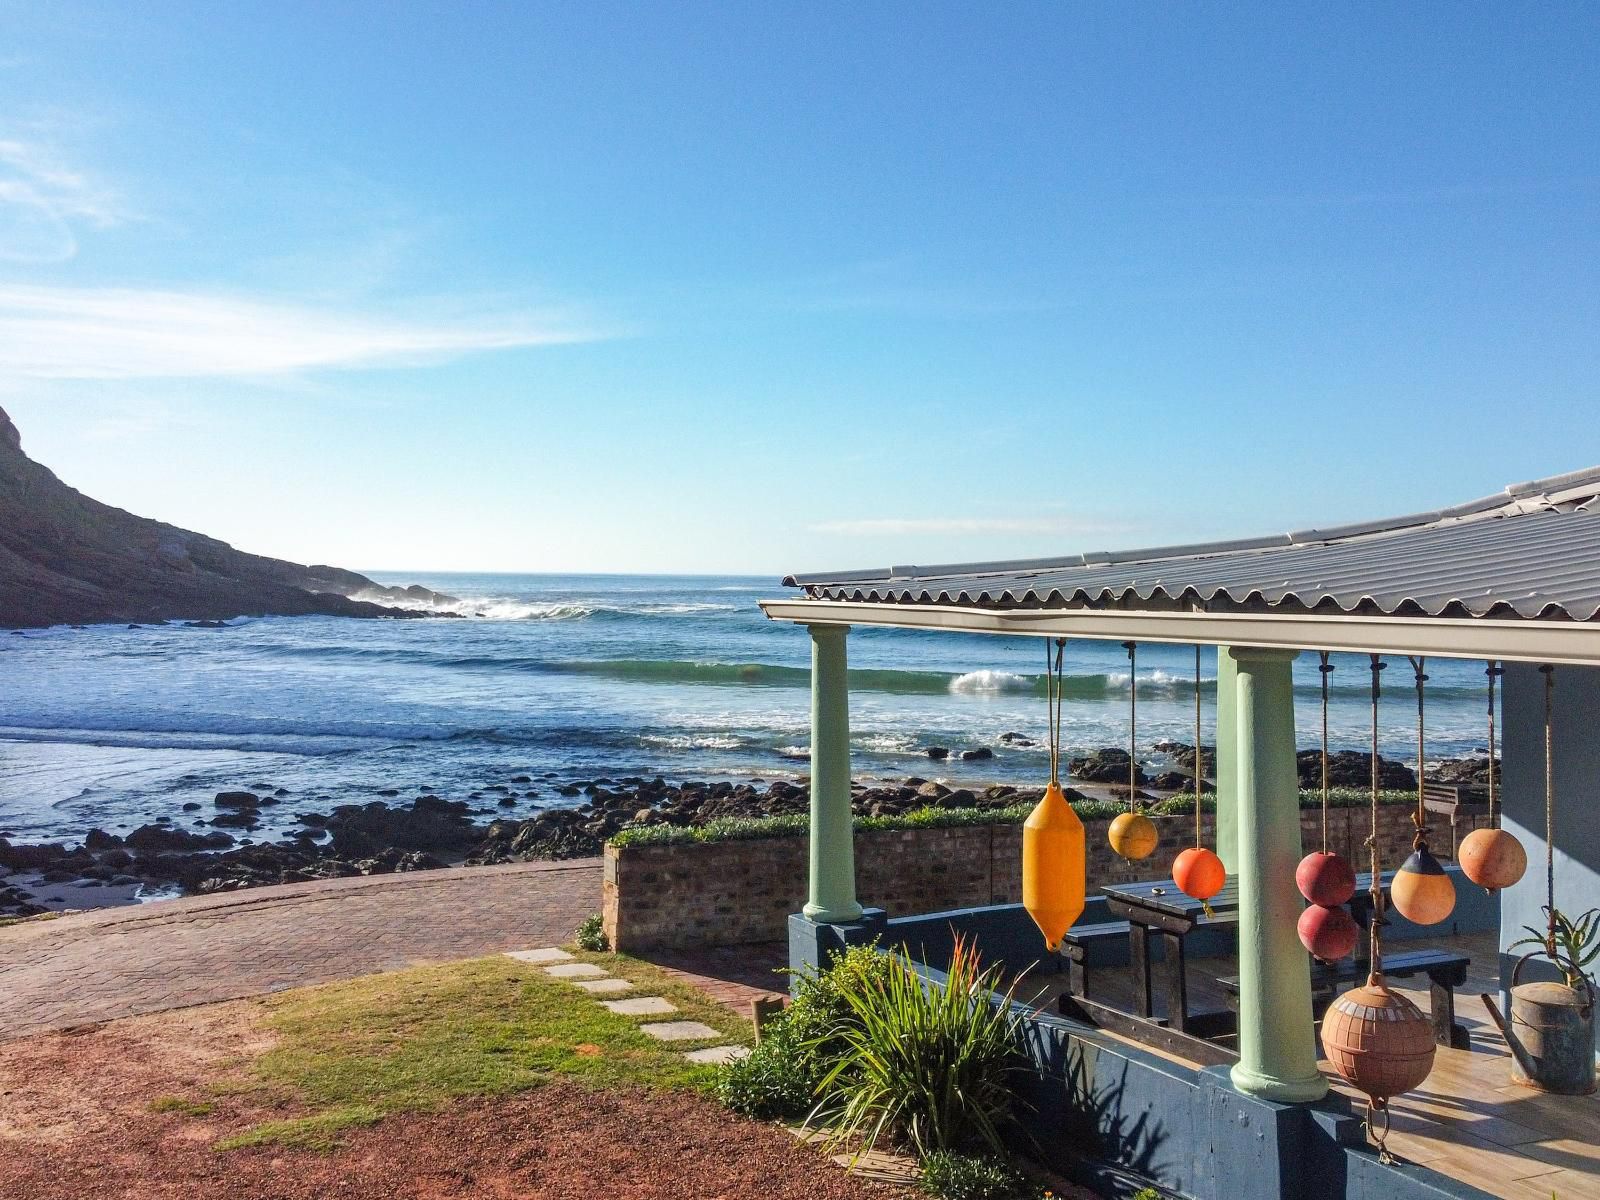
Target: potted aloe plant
1551	1031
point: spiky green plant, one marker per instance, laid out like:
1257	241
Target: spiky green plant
1571	944
929	1066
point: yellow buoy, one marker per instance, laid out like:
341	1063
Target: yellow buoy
1054	877
1133	835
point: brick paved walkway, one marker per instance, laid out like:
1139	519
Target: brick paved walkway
97	966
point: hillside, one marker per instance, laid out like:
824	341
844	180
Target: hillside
68	559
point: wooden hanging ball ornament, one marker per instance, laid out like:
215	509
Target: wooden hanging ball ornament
1379	1042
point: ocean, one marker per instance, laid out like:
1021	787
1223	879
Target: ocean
566	678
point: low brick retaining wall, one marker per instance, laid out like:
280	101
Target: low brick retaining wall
734	892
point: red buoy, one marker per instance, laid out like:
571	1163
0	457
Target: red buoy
1328	933
1325	878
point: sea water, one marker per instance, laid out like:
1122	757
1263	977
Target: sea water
567	678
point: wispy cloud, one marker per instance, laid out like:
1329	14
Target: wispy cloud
42	200
130	333
947	526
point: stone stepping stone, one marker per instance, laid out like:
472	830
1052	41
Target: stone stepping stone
603	987
716	1056
680	1031
641	1006
548	954
576	970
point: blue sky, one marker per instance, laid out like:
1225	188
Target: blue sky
760	287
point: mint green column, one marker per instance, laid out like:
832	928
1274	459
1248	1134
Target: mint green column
1227	791
833	852
1277	1045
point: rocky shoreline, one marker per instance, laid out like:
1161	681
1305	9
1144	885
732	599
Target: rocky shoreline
573	820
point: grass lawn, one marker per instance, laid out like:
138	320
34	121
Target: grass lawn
348	1054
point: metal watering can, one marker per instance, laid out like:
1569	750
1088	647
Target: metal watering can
1551	1032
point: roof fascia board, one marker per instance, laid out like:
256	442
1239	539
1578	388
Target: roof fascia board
1437	637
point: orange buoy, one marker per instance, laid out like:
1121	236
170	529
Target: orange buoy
1054	878
1198	872
1378	1041
1327	932
1421	892
1133	836
1492	858
1325	878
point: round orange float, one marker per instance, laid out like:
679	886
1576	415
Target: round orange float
1054	853
1492	858
1199	873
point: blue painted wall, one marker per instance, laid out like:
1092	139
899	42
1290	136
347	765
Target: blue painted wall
1576	729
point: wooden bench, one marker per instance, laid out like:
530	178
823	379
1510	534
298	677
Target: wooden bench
1075	946
1445	972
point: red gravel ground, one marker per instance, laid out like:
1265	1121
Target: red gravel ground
76	1122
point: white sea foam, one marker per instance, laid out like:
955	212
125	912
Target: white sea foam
886	743
691	741
990	683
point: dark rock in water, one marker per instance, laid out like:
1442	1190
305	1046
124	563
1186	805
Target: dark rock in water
1177	781
1472	770
206	624
237	820
1182	753
508	801
1017	739
978	755
1353	769
237	800
430	823
314	819
97	841
1106	765
191	806
30	858
155	839
938	753
522	779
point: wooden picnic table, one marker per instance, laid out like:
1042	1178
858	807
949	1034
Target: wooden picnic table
1157	911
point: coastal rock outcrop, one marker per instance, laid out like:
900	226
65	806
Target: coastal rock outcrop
67	559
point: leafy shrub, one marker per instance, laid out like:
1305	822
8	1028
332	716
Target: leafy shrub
973	1177
776	1081
591	934
1147	1194
780	1078
931	1067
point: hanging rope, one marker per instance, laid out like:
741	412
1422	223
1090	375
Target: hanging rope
1327	669
1420	817
1197	755
1549	809
1492	671
1133	724
1379	1107
1054	689
1376	888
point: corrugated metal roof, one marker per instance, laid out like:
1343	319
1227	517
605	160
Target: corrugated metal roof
1532	551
